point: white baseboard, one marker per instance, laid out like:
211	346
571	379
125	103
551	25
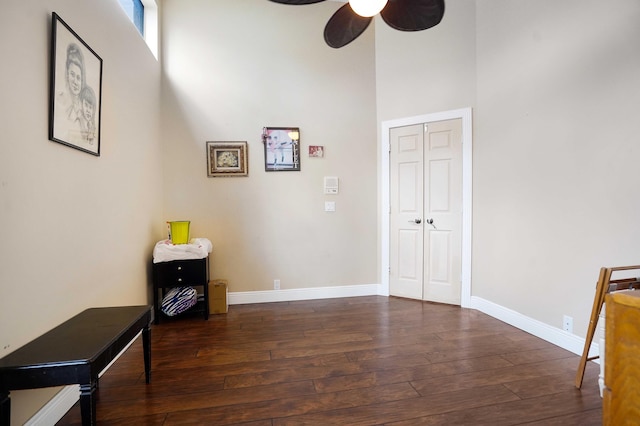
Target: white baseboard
55	409
289	295
554	335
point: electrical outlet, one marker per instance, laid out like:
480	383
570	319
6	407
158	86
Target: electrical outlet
567	323
276	284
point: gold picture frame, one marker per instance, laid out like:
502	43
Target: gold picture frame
227	159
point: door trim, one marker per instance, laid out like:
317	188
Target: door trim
467	180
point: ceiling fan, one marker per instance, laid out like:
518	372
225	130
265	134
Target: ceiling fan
354	17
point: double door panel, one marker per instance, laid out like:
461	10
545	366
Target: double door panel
426	211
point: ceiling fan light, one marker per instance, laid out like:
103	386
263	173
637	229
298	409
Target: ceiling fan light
367	8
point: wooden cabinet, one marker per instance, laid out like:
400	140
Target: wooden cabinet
181	273
622	367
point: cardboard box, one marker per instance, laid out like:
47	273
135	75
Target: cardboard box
218	300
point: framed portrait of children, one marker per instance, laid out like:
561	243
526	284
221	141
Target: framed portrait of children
75	90
281	148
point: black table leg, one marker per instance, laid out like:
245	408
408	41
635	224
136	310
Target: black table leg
146	348
156	306
88	403
206	301
5	409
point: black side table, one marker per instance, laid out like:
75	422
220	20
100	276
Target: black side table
181	273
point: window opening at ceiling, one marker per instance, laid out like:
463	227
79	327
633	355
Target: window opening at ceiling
144	15
135	12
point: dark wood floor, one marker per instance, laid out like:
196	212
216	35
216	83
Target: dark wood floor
354	361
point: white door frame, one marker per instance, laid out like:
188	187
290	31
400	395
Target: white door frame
467	157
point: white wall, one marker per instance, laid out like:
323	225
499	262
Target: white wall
427	71
555	87
77	230
556	152
232	68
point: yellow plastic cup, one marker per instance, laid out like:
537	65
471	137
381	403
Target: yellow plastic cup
180	231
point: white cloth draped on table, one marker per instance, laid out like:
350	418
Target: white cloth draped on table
165	251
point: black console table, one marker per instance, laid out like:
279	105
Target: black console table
75	352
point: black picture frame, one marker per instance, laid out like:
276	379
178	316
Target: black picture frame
75	90
281	148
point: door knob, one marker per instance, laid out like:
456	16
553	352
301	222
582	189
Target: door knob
430	222
417	221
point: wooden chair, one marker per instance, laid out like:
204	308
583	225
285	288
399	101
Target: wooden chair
605	285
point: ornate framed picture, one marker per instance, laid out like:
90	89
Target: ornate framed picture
281	148
75	91
227	159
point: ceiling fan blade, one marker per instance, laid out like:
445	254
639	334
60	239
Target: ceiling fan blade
413	15
344	27
297	1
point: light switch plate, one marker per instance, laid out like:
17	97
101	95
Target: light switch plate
329	206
